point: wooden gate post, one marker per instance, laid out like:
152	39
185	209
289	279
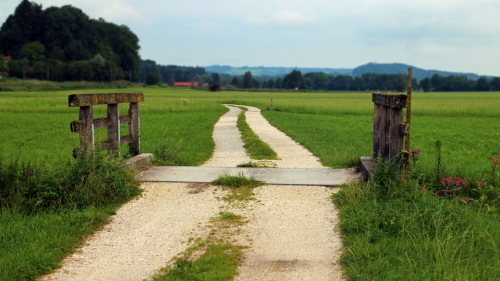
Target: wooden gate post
86	124
388	126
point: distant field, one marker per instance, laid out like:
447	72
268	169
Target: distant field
337	127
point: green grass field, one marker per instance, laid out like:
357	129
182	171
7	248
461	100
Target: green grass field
337	127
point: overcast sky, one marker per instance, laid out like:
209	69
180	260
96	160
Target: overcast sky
453	35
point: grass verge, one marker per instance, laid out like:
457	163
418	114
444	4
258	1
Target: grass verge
406	233
45	214
255	147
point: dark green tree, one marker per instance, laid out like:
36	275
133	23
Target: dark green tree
215	79
236	82
294	80
482	84
495	84
80	70
34	52
152	79
4	67
22	27
247	80
426	85
270	83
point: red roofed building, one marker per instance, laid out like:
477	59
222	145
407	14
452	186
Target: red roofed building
7	59
186	84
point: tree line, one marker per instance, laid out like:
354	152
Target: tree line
366	82
65	44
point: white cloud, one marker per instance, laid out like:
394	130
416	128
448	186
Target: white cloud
286	17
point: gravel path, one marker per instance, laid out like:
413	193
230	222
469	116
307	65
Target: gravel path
229	151
291	231
294	236
144	235
290	153
292	228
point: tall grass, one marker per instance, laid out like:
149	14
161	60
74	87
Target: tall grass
91	180
45	212
414	235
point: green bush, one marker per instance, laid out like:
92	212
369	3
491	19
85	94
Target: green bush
92	180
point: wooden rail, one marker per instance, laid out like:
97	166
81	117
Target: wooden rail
388	127
86	125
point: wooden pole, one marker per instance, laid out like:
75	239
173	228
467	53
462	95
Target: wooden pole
135	145
114	128
87	132
408	124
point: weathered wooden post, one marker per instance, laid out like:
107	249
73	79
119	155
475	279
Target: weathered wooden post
388	126
86	124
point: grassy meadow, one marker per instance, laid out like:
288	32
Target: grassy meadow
337	127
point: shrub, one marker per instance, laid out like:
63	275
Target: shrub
92	180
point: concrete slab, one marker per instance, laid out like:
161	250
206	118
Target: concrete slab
140	161
323	177
368	165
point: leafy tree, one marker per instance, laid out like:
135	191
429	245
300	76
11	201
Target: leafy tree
152	79
294	80
270	83
33	51
247	80
22	27
69	35
278	84
319	80
426	85
495	84
482	84
3	64
19	68
98	66
80	70
236	82
215	79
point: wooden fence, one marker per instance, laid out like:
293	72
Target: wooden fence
86	125
388	126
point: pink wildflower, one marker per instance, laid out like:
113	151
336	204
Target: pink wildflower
479	184
443	181
495	160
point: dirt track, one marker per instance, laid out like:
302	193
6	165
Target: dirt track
291	231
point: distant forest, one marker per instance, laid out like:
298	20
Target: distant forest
65	44
320	81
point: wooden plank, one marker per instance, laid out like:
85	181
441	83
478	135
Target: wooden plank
394	101
376	130
95	99
134	129
125	119
87	128
126	139
114	127
101	122
384	132
396	139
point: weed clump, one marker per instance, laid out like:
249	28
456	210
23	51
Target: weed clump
236	181
91	180
240	187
